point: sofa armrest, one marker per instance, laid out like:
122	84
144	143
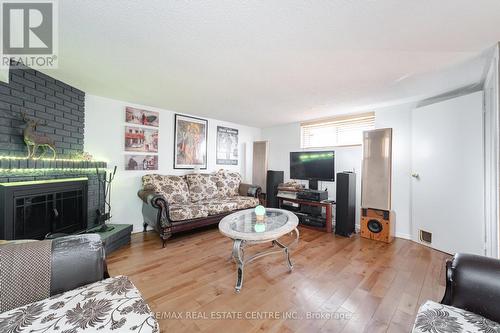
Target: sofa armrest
248	190
154	209
473	284
77	261
150	197
50	267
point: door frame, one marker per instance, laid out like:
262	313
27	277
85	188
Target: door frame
491	128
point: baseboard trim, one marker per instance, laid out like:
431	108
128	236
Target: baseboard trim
138	229
403	236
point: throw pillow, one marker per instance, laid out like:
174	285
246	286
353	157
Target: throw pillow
228	183
173	188
201	187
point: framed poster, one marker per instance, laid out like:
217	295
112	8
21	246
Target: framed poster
141	139
142	117
141	162
190	142
227	146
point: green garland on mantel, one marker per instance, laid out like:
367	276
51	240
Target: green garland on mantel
20	164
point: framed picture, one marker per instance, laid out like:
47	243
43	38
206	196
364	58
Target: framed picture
142	117
141	162
141	139
190	142
227	146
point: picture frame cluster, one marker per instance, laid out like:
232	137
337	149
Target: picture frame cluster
141	139
141	136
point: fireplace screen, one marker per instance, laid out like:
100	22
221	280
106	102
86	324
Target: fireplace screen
41	208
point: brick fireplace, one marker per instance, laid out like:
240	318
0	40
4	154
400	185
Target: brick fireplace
60	111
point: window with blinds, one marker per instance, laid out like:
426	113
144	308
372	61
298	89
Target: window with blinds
338	131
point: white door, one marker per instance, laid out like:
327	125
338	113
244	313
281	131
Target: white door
447	164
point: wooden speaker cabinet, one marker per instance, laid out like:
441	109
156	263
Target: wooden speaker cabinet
377	224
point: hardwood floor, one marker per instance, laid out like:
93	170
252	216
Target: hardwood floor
371	286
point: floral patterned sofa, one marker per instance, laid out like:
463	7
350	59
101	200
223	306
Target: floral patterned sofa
471	299
177	203
62	285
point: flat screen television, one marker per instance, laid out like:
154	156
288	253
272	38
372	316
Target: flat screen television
313	166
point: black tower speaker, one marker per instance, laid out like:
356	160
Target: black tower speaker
274	178
345	204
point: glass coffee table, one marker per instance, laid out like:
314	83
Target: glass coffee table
244	229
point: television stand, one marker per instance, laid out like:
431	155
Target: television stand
313	184
328	205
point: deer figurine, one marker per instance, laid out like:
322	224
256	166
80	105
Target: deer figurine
36	140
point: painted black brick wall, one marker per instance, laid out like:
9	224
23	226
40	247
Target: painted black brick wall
60	110
58	107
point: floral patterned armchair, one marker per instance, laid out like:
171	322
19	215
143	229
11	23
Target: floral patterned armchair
63	285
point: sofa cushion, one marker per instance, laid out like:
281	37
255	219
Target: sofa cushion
201	186
187	211
173	188
110	305
219	206
438	318
228	183
245	202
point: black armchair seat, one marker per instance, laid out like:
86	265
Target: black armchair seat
471	302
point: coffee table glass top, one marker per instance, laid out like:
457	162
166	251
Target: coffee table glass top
244	225
248	222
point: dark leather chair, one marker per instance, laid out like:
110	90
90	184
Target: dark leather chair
473	284
77	261
49	268
73	270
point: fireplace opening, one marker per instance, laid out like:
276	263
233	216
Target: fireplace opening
33	210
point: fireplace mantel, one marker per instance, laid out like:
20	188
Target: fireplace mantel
12	163
40	182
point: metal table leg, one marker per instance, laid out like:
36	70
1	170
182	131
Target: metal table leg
286	249
238	256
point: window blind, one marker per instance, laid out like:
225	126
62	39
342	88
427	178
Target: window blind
338	131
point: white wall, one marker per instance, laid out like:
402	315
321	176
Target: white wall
104	139
4	75
286	138
399	119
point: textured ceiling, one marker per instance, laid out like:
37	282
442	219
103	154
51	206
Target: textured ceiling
267	62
